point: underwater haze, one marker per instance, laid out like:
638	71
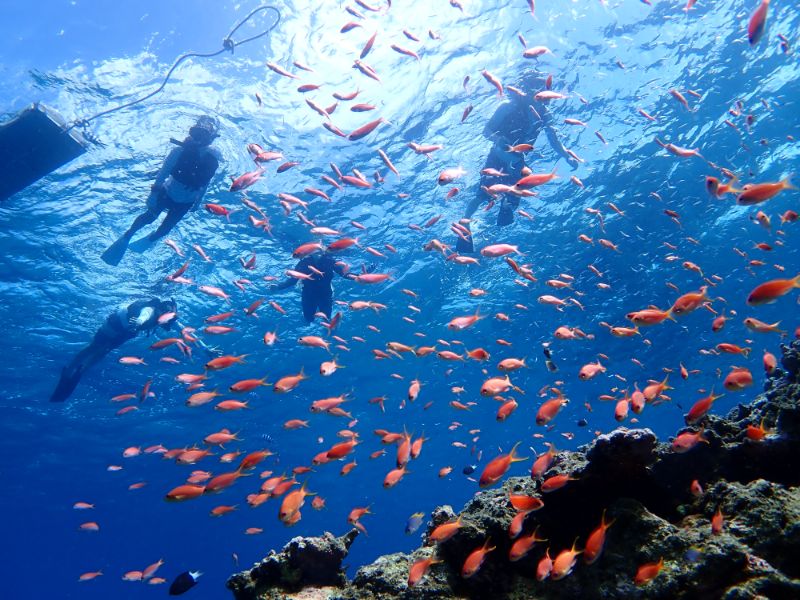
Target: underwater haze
624	73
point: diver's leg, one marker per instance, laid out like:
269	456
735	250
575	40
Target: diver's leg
116	251
505	216
309	302
478	199
175	213
464	244
325	304
510	203
72	373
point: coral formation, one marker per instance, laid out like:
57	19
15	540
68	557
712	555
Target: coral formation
643	486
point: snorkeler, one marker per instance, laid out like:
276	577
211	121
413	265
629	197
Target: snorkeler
317	293
518	121
179	187
121	326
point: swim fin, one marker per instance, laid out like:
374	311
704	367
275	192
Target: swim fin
70	376
116	251
465	246
505	216
142	244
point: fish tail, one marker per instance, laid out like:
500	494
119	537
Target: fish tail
514	457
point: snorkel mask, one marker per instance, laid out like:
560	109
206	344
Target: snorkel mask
205	130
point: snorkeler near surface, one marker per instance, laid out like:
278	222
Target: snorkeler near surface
316	270
123	325
179	187
519	121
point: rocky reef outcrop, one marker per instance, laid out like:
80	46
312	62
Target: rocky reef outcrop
643	486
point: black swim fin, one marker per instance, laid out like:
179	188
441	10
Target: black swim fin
70	377
142	244
505	216
465	246
116	251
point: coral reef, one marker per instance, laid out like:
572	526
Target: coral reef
314	562
643	486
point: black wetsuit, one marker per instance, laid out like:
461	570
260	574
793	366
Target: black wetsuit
317	293
179	187
116	330
512	123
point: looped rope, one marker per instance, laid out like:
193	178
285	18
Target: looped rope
228	45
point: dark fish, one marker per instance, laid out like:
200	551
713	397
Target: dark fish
184	582
469	469
551	366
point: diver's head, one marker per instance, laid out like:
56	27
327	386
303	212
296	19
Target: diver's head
532	80
205	130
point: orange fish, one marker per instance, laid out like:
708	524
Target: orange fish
292	503
689	302
498	467
649	316
445	531
701	408
770	291
738	379
543	462
688	440
544	567
549	409
755	193
247	385
419	569
647	572
223	362
761	327
717	522
556	482
288	383
461	323
474	561
523	545
596	540
185	492
565	562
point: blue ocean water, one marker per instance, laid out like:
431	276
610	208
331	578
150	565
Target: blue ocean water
610	59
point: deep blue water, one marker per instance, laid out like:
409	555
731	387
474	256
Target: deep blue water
82	57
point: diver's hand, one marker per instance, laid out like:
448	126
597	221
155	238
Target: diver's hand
142	318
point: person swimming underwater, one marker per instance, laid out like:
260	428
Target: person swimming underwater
120	326
520	120
317	295
179	187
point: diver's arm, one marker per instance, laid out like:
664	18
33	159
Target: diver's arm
202	192
166	168
285	284
343	270
142	314
552	136
291	281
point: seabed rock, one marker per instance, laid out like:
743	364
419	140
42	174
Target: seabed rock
306	567
643	485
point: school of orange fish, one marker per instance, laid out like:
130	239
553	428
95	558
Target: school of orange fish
203	388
